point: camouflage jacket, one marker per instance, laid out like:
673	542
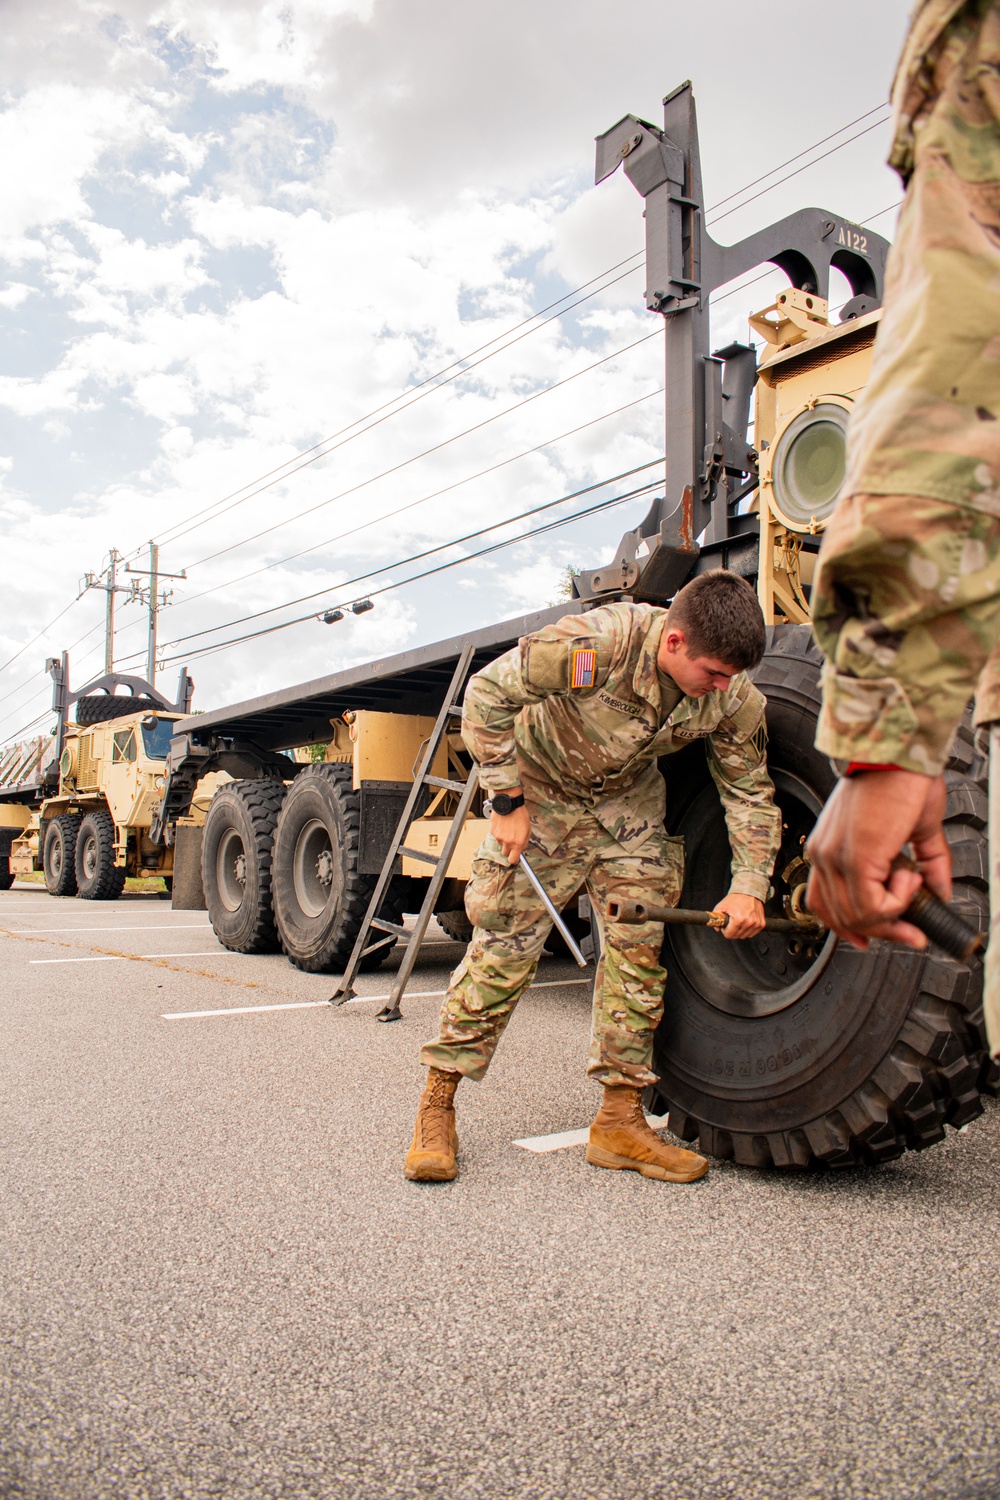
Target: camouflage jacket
906	596
913	88
577	715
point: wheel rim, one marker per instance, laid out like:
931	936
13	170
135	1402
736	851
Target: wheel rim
56	856
314	867
231	869
765	974
89	858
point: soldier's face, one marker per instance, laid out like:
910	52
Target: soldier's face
694	675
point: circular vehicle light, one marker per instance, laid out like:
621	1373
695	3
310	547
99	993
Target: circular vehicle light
810	460
160	783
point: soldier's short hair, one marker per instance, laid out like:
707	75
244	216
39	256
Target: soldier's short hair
720	617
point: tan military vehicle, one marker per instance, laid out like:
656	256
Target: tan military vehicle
78	804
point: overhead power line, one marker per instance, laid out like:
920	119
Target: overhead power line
423	500
799	155
44	631
285	470
804	168
732	291
426	452
533	510
459	366
589	510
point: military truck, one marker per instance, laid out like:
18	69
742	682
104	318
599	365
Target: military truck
78	803
789	1051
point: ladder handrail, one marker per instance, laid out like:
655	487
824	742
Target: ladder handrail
345	990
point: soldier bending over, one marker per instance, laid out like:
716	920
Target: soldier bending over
567	727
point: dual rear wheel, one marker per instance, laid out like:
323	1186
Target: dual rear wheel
78	857
280	869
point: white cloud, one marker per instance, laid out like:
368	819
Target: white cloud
15	293
233	230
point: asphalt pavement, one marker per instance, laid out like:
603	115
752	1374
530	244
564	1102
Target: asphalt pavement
215	1281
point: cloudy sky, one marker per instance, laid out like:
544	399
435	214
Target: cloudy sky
248	253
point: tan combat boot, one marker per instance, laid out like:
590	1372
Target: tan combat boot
431	1158
620	1138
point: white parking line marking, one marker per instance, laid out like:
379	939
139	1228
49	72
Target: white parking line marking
160	927
245	1010
554	1142
563	1138
104	958
124	957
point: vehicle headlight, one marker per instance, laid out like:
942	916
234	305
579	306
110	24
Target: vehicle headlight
160	783
809	464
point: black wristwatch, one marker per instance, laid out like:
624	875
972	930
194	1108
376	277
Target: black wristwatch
503	803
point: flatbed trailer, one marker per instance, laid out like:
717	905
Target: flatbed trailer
790	1050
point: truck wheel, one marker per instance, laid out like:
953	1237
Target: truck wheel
7	837
98	878
236	863
59	854
320	898
455	924
782	1052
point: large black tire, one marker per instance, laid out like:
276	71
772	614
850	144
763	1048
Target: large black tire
59	854
97	876
236	854
7	837
455	924
101	708
827	1055
320	898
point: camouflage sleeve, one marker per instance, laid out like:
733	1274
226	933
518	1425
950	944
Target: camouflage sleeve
737	759
906	598
906	607
573	655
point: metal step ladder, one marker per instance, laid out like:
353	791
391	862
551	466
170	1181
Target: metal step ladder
450	709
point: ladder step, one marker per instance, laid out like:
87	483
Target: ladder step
455	708
444	784
374	947
393	927
428	859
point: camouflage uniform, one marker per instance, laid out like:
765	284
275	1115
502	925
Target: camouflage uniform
907	597
577	715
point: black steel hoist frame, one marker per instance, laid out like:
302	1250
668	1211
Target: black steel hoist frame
709	464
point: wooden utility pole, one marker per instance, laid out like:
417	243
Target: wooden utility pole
111	588
155	602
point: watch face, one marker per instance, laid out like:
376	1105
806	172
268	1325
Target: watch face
503	804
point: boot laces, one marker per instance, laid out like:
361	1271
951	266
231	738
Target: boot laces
441	1089
435	1127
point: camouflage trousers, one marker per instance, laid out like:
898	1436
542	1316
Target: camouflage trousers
511	926
906	599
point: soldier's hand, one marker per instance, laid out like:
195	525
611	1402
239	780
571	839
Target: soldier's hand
745	913
512	832
871	815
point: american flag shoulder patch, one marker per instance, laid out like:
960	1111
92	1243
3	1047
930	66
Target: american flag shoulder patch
584	667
